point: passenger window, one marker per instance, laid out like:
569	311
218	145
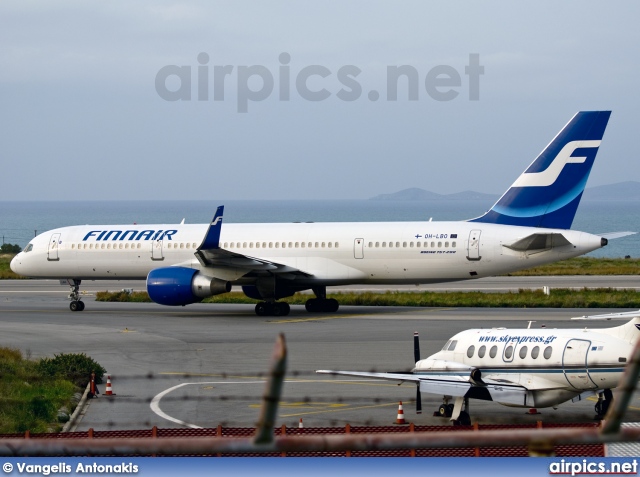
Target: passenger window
535	352
411	244
470	351
302	244
390	244
384	244
297	244
439	244
73	245
370	244
482	351
453	244
433	244
329	244
108	245
493	351
337	244
547	352
377	244
404	244
523	352
120	246
257	244
418	244
446	244
290	245
181	245
189	245
398	244
284	245
322	244
508	352
316	244
453	344
126	245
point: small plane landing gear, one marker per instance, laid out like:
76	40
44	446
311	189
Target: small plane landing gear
460	416
445	410
605	399
321	303
76	304
276	308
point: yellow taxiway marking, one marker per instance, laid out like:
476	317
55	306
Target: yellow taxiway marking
127	330
324	411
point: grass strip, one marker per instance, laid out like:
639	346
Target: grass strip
558	298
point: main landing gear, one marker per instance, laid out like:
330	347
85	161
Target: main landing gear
321	303
605	399
276	308
76	304
455	412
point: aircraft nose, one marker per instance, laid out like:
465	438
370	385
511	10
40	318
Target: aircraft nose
15	264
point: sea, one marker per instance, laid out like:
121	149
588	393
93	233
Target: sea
21	221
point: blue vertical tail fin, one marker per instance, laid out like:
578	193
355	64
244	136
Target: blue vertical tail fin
547	194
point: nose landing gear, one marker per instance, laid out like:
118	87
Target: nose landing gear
76	304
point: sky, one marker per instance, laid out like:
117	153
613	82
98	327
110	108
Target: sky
204	100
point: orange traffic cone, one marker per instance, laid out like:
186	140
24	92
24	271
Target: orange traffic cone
400	418
109	391
300	426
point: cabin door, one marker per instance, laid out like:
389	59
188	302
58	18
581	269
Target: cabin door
358	248
473	245
54	243
156	250
574	364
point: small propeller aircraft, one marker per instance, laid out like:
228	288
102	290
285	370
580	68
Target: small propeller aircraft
533	368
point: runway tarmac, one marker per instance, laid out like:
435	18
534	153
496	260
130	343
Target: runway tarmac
203	365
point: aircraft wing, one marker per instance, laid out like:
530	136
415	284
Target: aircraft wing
209	254
501	391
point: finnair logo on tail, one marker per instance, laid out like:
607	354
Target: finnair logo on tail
215	222
550	174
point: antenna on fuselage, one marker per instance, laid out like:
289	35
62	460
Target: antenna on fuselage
182	223
530	321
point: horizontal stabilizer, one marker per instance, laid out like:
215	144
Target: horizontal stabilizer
615	235
538	242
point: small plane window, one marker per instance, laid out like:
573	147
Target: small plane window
322	244
470	351
193	245
101	245
126	245
398	244
390	244
244	244
493	351
418	244
453	344
231	245
404	244
508	352
547	352
297	244
284	245
108	245
411	244
446	345
370	244
270	244
277	244
120	246
523	352
446	244
138	246
181	245
481	351
337	244
257	244
264	244
384	244
377	244
453	244
290	245
237	244
250	244
433	244
329	244
316	244
302	244
535	352
188	245
439	244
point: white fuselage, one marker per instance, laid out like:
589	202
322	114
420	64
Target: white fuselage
555	365
328	253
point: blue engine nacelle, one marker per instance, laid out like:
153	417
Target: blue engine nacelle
179	286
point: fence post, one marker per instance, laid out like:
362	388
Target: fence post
476	427
27	434
412	428
283	432
347	430
154	435
90	433
219	434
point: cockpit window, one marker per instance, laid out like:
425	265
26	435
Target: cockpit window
453	344
446	345
28	248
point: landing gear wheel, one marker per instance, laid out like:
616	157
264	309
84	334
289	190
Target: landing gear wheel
442	410
316	305
449	410
73	306
80	306
281	309
463	420
261	309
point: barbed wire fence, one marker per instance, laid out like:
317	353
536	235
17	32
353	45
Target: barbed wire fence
267	441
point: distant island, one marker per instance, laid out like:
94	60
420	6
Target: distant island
629	190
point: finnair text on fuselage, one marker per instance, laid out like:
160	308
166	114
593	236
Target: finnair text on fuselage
133	235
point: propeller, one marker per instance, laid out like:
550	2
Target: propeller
416	356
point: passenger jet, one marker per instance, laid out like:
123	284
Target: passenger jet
183	264
521	367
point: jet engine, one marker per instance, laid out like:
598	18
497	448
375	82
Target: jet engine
179	286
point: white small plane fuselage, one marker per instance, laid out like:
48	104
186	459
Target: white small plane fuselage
523	367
